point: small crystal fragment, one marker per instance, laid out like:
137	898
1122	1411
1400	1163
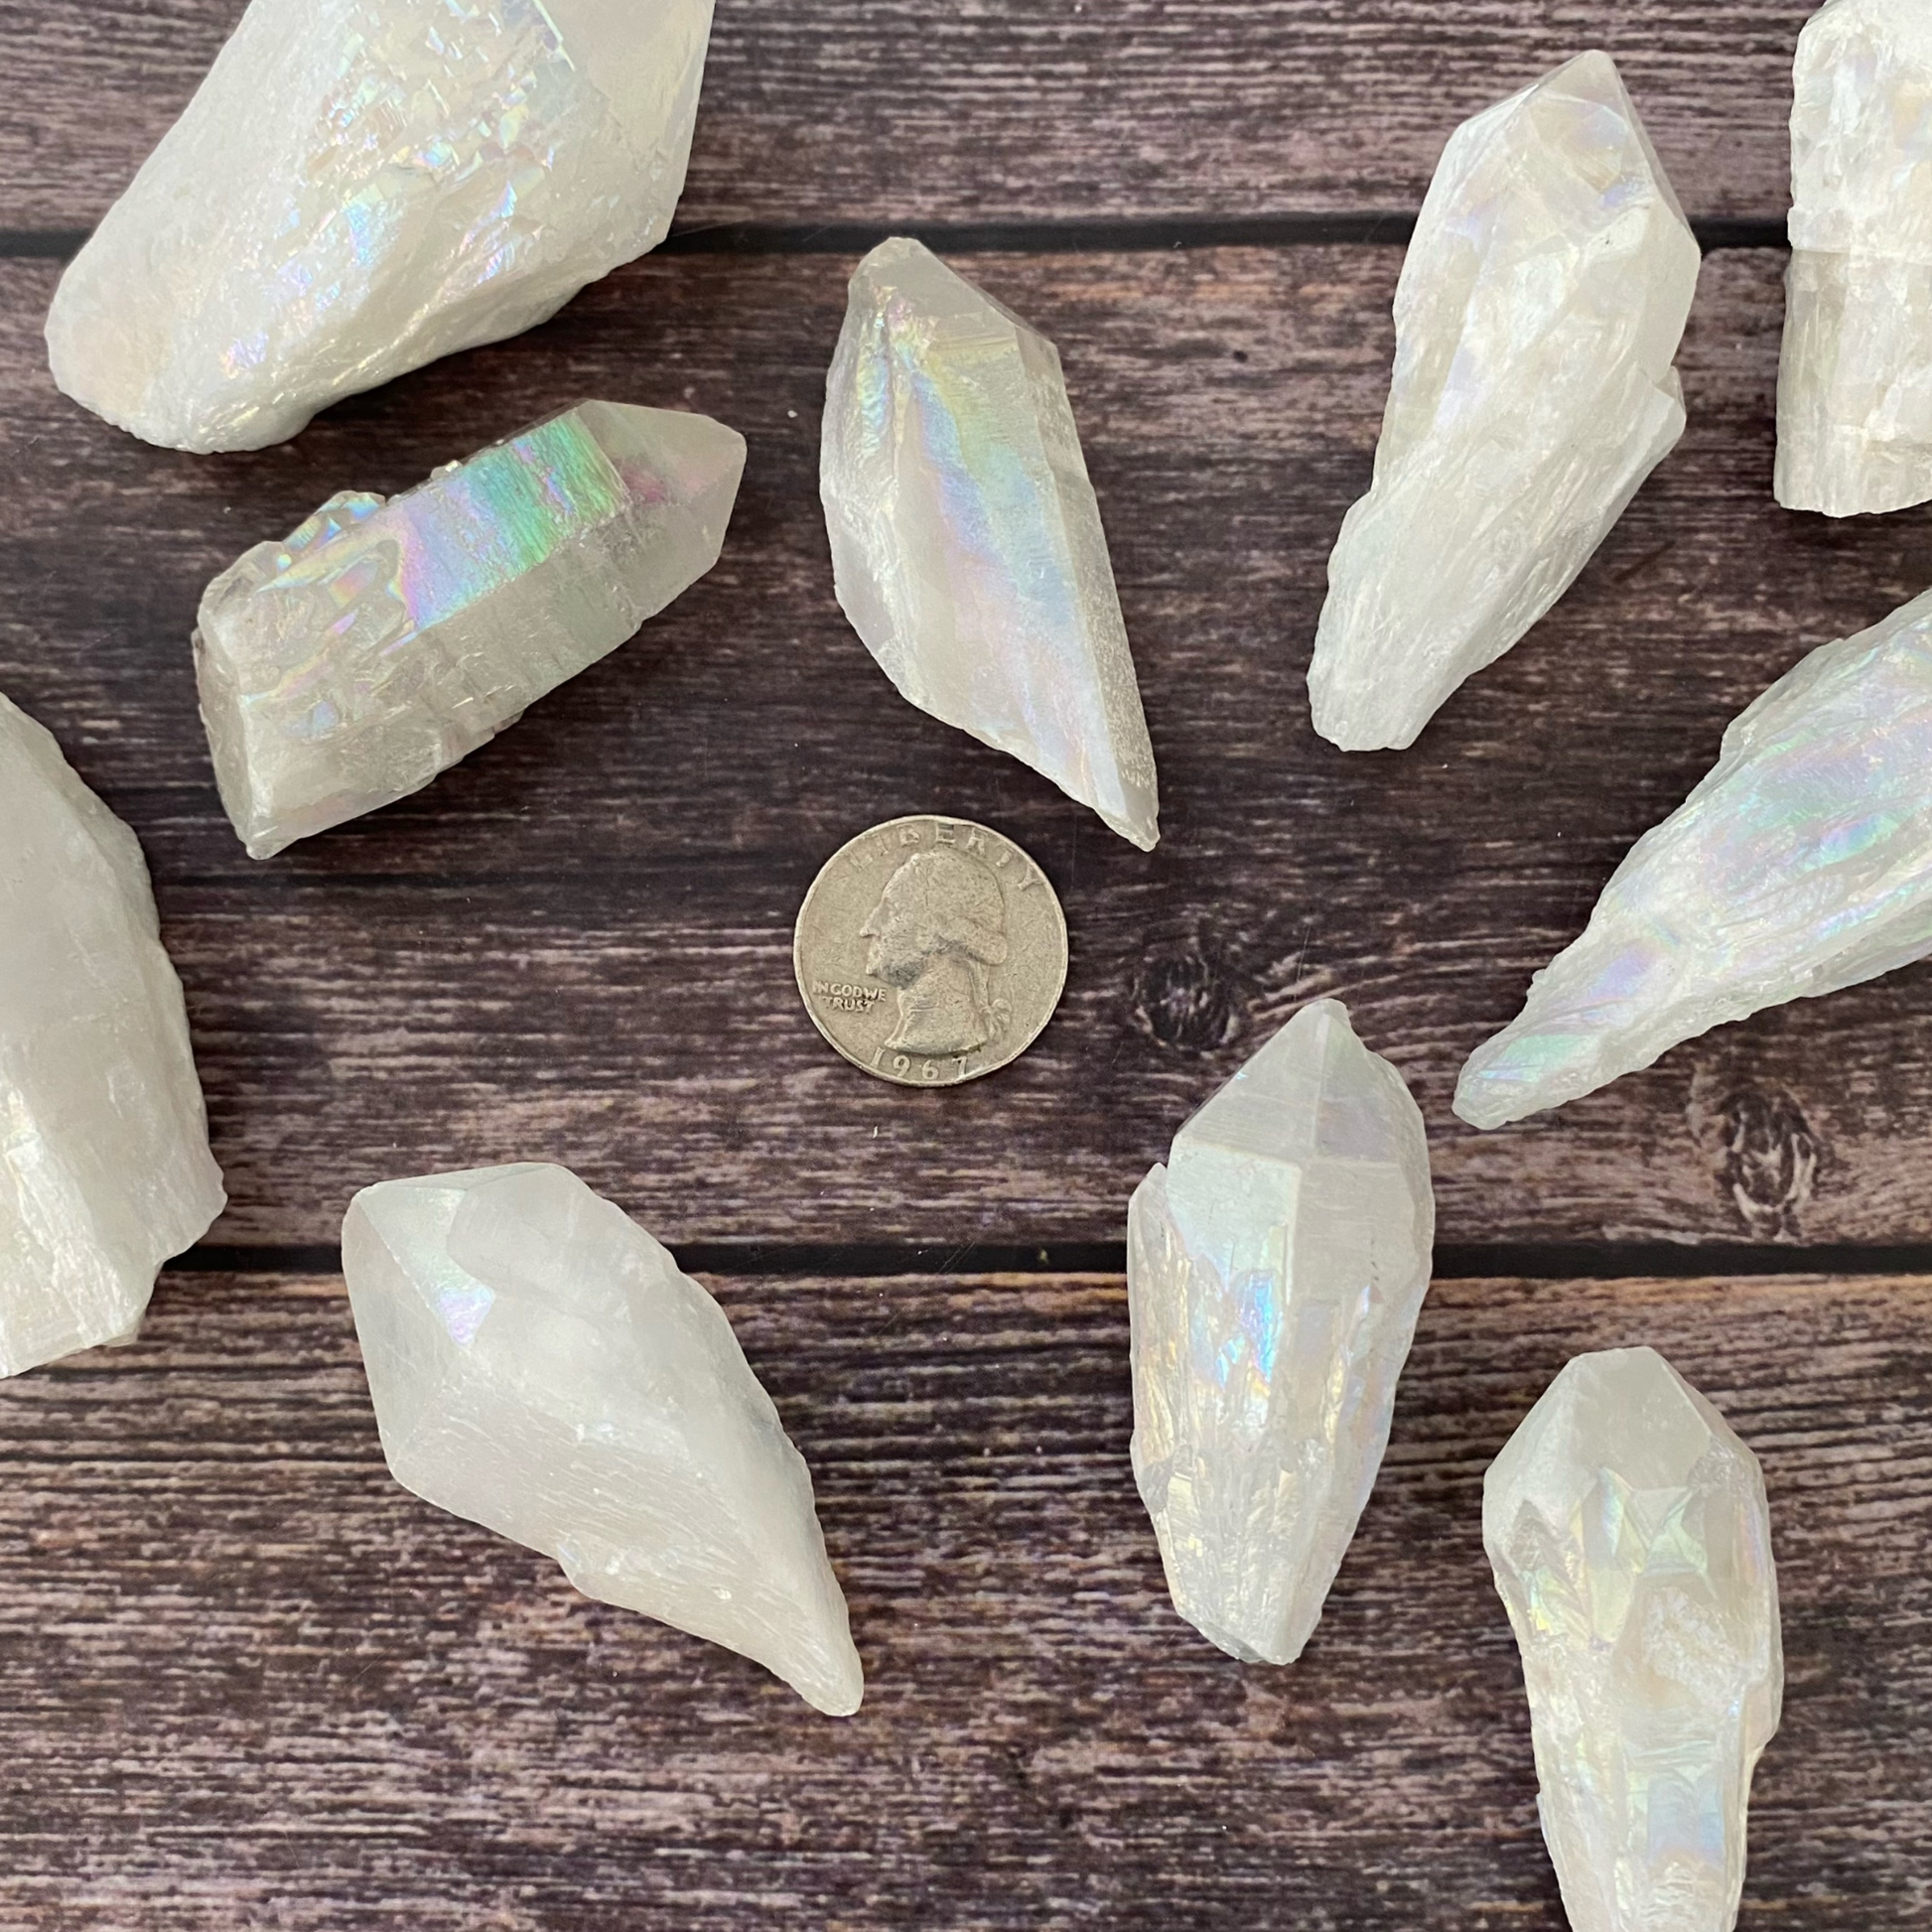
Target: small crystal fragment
383	641
1631	1542
540	1366
1801	865
966	536
1536	318
104	1163
1855	393
1275	1269
362	186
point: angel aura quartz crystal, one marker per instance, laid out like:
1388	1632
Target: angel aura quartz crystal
1537	319
362	186
1631	1542
1855	394
344	669
1275	1269
540	1366
966	537
105	1169
1802	864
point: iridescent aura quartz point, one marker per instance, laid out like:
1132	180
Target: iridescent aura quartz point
362	186
383	641
1855	393
1801	865
966	537
1537	320
1275	1269
104	1163
540	1366
1631	1542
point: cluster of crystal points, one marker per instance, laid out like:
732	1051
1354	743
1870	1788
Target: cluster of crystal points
1275	1269
1631	1542
1855	394
1801	865
540	1366
1537	319
359	188
966	537
104	1163
344	669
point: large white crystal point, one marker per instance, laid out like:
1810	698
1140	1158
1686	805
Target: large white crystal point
1801	865
1537	320
1274	1271
966	537
540	1366
104	1163
1855	394
362	186
344	669
1632	1545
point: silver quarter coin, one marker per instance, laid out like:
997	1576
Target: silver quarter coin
932	951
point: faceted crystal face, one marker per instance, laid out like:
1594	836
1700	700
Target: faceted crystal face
540	1366
362	186
1276	1268
1631	1542
1538	314
344	669
1802	864
1854	396
105	1169
966	537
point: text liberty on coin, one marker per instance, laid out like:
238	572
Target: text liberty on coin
932	951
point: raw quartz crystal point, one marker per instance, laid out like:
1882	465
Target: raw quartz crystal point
362	186
344	669
1276	1268
1854	396
1802	864
1631	1542
540	1366
1537	319
966	537
106	1170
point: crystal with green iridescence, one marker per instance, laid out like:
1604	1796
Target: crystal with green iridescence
1631	1542
344	669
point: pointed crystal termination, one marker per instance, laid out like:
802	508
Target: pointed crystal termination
1801	865
1536	318
1276	1268
540	1366
1855	393
1631	1542
362	186
966	536
383	641
106	1170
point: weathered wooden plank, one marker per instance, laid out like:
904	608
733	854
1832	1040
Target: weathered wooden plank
246	1680
889	110
577	944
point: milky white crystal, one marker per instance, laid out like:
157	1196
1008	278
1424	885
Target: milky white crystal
344	669
540	1366
1276	1268
1537	319
966	537
362	186
104	1163
1802	864
1855	394
1631	1542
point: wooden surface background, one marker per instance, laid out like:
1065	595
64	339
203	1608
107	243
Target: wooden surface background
245	1681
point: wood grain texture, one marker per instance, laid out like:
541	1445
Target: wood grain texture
894	111
247	1681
